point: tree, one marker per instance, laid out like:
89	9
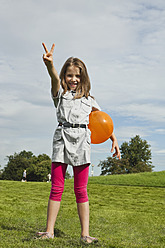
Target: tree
39	171
17	163
112	166
138	153
135	158
37	167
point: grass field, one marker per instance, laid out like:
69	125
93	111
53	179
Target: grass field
126	211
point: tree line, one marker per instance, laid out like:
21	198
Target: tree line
135	158
37	167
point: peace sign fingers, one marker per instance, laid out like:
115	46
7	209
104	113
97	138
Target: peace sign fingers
48	56
46	50
52	48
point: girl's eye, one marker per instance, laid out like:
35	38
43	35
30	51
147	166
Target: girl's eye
78	76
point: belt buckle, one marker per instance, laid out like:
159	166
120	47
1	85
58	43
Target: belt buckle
73	125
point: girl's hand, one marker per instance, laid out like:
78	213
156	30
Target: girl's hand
48	60
115	147
48	56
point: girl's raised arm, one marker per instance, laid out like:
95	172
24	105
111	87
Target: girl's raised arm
48	60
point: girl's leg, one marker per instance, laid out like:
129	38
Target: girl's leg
52	212
83	212
57	178
80	187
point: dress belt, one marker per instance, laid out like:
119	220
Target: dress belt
67	124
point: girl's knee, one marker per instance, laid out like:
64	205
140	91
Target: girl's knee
56	193
81	194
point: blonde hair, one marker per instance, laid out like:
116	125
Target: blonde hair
84	87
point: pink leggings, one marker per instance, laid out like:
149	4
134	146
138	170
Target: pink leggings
80	181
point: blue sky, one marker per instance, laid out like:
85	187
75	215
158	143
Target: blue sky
122	44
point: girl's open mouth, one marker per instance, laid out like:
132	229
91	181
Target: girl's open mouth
73	84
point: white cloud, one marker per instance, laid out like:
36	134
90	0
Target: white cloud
160	131
143	112
127	132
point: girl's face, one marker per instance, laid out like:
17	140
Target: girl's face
72	77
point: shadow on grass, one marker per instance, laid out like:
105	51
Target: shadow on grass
11	227
62	239
58	233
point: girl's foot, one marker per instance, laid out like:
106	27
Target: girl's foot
88	240
44	235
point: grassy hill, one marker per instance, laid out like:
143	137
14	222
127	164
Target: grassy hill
126	211
145	179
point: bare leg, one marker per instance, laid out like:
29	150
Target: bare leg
52	212
58	178
83	212
80	187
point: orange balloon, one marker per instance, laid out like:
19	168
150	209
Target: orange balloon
101	126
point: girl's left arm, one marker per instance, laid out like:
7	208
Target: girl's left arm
115	146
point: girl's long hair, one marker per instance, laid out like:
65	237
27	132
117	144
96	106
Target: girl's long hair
84	86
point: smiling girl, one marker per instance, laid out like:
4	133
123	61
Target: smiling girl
71	141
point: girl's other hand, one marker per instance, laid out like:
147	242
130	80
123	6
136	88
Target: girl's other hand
48	56
116	148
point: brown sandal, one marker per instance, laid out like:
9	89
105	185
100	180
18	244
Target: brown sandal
86	238
44	235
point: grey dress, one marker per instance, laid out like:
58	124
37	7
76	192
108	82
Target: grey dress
72	145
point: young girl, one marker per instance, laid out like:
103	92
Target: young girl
71	142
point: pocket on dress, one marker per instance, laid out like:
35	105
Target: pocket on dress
86	105
57	135
67	103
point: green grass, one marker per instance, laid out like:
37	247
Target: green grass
126	211
154	179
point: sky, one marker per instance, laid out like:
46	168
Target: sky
122	45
